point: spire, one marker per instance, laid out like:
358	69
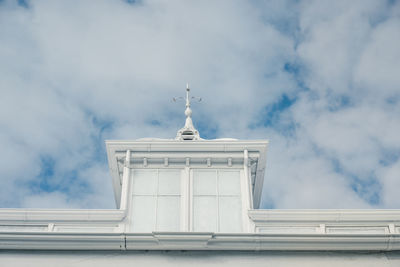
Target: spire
188	132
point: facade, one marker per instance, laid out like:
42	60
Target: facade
190	200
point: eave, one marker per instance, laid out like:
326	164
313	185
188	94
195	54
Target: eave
198	241
291	230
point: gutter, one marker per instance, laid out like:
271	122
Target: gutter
198	241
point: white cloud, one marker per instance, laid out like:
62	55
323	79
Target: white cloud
344	117
69	69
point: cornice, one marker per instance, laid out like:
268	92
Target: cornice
62	241
323	216
297	230
198	241
174	145
59	215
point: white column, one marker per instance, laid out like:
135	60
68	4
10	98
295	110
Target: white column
125	195
125	181
247	199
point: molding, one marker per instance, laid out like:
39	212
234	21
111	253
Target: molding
198	241
296	230
58	215
327	222
324	216
62	241
302	230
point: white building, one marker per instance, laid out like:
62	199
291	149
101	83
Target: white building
194	201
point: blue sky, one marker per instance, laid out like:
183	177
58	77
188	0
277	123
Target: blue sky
319	79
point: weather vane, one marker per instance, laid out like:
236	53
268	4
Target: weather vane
187	97
188	132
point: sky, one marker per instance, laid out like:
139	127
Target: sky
319	79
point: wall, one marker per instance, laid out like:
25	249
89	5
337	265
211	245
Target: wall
196	258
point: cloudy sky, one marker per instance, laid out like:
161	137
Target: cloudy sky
319	79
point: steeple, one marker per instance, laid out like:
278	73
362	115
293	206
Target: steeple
188	132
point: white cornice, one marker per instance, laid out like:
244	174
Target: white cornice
198	241
59	215
322	216
202	145
62	241
312	230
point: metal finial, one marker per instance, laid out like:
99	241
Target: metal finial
188	132
187	95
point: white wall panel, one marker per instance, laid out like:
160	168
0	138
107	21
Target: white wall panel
196	258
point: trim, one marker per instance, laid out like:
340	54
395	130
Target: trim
62	241
323	216
198	241
54	215
296	230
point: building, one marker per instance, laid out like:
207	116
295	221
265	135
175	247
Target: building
194	201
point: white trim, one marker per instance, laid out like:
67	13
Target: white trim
216	177
155	196
191	200
316	230
322	216
125	183
245	201
185	199
198	241
21	216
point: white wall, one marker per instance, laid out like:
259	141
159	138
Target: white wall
196	258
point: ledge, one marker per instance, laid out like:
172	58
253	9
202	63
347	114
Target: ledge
324	216
57	215
198	241
61	241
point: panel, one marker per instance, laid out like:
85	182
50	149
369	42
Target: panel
230	214
287	230
143	213
169	182
229	183
205	214
204	182
144	182
168	213
24	228
356	230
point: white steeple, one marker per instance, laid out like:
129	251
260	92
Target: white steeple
188	132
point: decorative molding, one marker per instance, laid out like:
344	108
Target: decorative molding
198	241
306	230
327	222
324	216
55	215
62	241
